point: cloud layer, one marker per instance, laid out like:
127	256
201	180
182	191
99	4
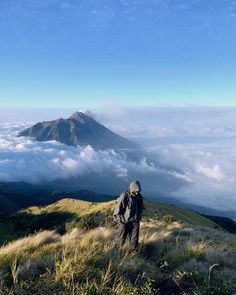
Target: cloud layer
188	155
23	159
209	169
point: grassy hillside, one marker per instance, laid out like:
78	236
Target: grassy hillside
17	195
224	222
64	214
76	207
172	259
7	205
153	210
159	210
68	248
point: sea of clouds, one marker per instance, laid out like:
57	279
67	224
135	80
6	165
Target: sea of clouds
188	154
24	159
198	141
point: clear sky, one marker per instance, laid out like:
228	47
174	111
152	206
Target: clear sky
80	53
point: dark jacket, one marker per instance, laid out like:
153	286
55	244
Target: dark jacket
129	208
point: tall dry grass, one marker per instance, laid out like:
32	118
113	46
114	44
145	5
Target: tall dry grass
31	242
86	262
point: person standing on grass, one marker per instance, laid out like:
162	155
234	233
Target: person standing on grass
128	213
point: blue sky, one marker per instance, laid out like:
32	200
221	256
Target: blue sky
75	53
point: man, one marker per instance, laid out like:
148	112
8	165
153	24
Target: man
128	213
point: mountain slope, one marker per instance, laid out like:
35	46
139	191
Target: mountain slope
173	259
17	195
78	129
153	209
68	212
224	222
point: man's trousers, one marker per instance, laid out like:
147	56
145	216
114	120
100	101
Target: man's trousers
130	229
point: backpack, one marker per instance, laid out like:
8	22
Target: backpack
117	212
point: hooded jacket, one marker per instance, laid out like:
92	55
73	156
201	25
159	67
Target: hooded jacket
129	208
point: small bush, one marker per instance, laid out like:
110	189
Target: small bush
108	218
26	222
89	221
70	225
146	219
168	219
156	216
179	256
209	286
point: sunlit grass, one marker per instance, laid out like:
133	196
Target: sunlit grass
86	262
182	257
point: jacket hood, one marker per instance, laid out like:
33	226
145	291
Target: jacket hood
135	186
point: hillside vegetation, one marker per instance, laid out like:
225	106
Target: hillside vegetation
153	210
69	249
17	195
67	213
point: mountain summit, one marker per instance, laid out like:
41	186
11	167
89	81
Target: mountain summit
78	129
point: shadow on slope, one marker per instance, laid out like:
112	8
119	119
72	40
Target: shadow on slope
224	222
52	217
26	222
17	195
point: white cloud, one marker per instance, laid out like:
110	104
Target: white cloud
191	155
209	170
184	177
24	159
213	172
195	124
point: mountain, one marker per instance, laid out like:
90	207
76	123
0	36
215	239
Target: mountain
17	195
224	222
78	129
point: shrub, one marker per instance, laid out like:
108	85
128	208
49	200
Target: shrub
179	256
156	216
26	222
108	218
145	219
168	219
89	221
206	285
70	225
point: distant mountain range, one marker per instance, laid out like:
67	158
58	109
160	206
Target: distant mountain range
78	129
17	195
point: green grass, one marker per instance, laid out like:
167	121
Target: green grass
67	213
177	249
155	208
152	208
79	256
171	258
77	207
